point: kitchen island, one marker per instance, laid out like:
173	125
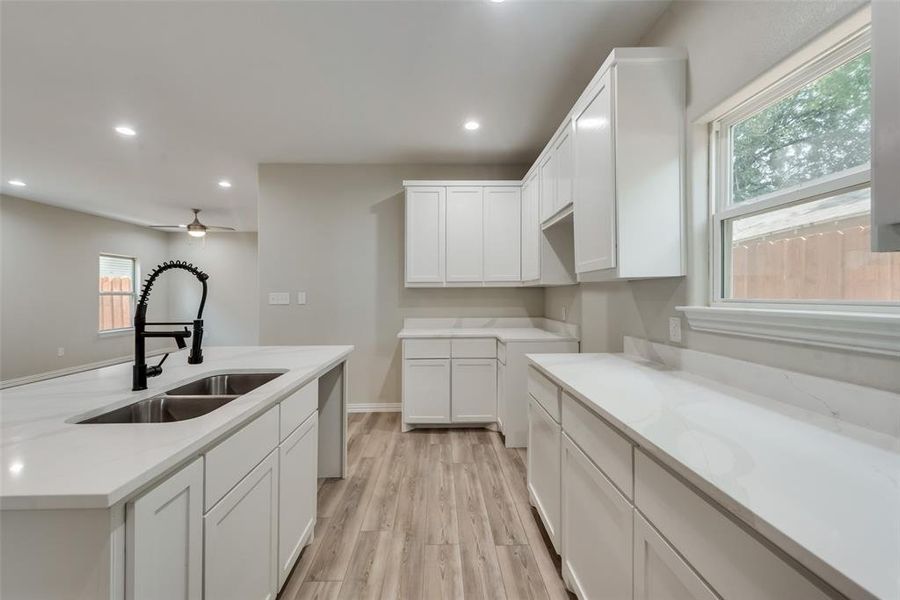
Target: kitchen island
74	495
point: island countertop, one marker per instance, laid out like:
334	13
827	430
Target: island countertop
50	462
826	492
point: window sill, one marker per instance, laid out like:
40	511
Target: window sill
115	332
877	333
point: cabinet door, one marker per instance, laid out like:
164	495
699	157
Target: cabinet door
297	464
465	234
502	403
164	557
565	168
595	182
659	573
503	233
597	536
474	390
543	468
425	231
547	175
241	532
426	390
531	230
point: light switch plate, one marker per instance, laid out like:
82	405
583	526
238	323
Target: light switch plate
675	329
301	297
279	298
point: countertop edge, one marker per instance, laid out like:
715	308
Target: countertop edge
784	543
176	461
488	333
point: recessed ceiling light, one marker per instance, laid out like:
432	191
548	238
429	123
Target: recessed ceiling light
16	182
224	184
472	125
126	130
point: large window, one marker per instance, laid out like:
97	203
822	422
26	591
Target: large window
792	185
118	275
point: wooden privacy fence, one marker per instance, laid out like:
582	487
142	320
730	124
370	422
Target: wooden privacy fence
824	262
116	310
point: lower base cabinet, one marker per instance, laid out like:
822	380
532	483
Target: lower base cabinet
473	390
659	573
241	538
297	460
597	536
543	468
164	529
426	390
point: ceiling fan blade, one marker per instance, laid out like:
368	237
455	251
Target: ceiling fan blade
166	226
220	228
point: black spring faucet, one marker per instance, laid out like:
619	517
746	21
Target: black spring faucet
141	371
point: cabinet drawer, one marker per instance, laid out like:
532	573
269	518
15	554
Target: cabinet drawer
501	352
733	561
433	348
604	445
545	392
473	348
230	461
298	406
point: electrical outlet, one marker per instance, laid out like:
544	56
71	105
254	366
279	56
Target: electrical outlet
301	297
60	351
675	329
279	298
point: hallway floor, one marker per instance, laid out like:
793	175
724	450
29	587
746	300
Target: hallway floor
440	513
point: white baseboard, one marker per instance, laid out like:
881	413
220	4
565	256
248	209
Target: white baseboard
374	407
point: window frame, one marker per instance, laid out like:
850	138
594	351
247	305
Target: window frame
136	275
722	210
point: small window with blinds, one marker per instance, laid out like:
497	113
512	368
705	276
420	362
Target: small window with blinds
118	275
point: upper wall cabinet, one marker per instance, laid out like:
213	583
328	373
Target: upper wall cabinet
531	229
465	233
556	171
629	157
885	126
503	234
425	231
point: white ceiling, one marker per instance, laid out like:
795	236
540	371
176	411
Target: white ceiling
213	88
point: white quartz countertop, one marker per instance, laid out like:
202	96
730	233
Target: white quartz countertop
504	334
826	492
50	462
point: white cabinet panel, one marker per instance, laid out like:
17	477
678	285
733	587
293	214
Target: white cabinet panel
297	463
465	234
885	126
473	348
164	557
565	168
426	391
297	407
425	234
241	534
543	468
597	537
502	233
595	181
426	348
545	392
474	390
659	573
531	230
502	407
547	179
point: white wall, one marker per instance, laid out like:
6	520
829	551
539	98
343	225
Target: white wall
231	316
48	287
336	232
729	44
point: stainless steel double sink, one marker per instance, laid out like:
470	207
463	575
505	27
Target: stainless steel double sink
187	401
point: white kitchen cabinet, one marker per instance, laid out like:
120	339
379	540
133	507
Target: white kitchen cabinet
426	390
628	169
425	234
502	408
885	126
543	468
659	573
502	234
594	184
474	390
241	538
297	485
531	229
465	235
164	554
597	538
565	168
547	179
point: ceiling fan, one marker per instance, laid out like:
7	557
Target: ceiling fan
195	228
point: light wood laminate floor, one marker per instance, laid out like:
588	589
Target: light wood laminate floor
440	513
